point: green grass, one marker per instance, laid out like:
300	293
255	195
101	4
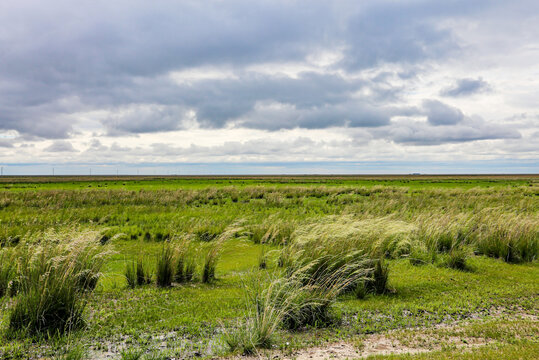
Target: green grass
400	218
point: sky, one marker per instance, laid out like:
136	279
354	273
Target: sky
269	87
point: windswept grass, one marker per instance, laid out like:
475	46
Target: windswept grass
344	249
7	270
53	277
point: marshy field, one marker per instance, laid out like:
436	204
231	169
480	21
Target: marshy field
295	267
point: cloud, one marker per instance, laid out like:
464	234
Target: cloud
145	118
6	143
116	55
439	113
468	130
465	87
60	146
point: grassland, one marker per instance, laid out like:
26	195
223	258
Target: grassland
461	254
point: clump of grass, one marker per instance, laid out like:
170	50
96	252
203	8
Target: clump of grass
143	275
51	296
263	259
512	238
189	271
377	281
210	262
293	301
420	255
213	254
131	274
7	270
77	352
182	255
165	270
137	274
131	354
456	258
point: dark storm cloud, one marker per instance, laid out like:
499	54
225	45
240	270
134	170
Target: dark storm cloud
465	87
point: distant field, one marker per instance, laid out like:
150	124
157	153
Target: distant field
172	182
459	254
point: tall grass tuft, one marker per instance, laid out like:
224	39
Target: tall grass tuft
54	276
182	258
213	253
293	301
131	274
144	275
165	270
456	258
7	270
513	238
377	281
210	262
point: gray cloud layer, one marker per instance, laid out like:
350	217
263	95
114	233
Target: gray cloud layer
465	87
60	59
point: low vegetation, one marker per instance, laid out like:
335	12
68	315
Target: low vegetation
217	266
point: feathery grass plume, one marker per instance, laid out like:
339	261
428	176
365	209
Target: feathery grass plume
7	270
442	232
375	236
270	302
279	232
54	275
131	274
165	270
292	302
326	255
257	232
513	238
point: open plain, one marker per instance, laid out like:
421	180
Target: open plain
305	267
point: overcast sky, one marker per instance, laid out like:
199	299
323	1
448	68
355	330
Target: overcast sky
269	86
